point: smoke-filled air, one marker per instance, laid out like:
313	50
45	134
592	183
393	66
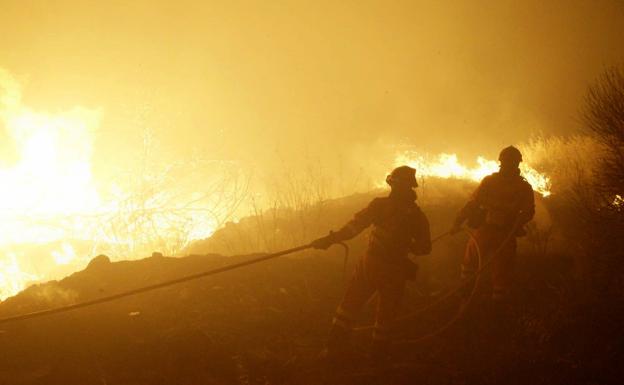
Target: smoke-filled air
291	192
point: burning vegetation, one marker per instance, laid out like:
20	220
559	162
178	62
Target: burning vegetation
54	203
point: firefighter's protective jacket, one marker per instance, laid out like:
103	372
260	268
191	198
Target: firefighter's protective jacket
399	227
500	200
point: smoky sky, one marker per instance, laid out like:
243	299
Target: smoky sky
268	83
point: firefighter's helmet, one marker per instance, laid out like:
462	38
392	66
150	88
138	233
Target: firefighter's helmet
510	155
403	175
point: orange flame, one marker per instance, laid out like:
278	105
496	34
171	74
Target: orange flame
448	166
48	192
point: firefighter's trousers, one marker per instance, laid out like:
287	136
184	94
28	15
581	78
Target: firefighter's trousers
490	239
373	274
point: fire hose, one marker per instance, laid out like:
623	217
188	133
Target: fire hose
476	276
63	309
67	308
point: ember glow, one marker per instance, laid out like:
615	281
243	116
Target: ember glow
449	166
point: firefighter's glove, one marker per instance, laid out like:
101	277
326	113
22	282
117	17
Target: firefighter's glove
325	242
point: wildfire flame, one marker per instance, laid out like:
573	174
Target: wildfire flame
49	177
448	166
49	196
12	278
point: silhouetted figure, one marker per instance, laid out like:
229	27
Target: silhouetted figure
399	227
502	200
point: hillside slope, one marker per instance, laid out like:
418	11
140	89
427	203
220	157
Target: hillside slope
266	323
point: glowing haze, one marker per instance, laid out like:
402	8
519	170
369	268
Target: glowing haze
269	88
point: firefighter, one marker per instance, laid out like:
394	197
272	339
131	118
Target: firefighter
503	203
399	228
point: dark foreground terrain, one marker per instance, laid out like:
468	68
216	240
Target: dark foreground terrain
266	324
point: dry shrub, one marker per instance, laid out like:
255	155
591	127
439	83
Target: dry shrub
604	117
587	175
568	161
603	211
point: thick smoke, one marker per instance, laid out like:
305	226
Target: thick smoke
274	86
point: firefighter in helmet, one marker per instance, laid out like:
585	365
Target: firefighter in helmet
399	228
501	205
